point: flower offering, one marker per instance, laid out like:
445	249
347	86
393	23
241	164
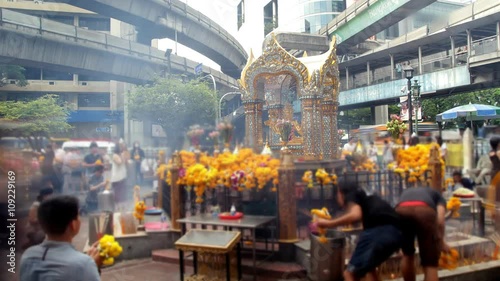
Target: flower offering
396	127
226	131
308	178
322	177
194	134
109	249
214	136
449	260
454	205
323	214
140	208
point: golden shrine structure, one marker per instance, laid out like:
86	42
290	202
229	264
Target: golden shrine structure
277	83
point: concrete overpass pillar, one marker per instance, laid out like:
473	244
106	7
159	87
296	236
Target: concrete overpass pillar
469	43
347	78
498	35
381	114
452	53
368	74
392	66
420	60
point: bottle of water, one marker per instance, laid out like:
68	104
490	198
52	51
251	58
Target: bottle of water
233	210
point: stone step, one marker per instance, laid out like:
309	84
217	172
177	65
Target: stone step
271	269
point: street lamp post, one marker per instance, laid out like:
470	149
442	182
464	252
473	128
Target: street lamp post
416	95
215	97
409	75
219	109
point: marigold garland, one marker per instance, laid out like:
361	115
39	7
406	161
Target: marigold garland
449	260
109	249
414	162
454	205
323	177
323	214
140	208
308	178
244	170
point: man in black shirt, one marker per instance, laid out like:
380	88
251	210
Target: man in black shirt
91	158
381	236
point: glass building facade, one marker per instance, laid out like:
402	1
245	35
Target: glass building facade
318	13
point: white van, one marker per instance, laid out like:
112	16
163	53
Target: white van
84	146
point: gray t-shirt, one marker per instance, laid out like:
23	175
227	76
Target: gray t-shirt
424	194
57	261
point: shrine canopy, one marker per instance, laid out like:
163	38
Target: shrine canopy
301	91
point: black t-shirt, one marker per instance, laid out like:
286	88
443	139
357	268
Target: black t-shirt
91	159
424	194
376	211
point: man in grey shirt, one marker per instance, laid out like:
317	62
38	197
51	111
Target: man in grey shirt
56	259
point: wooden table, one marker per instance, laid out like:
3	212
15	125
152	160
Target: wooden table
246	222
210	243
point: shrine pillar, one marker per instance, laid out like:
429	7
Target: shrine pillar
176	201
436	169
311	126
336	140
329	129
253	123
275	113
287	207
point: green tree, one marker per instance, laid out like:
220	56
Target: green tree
12	72
173	104
35	119
433	106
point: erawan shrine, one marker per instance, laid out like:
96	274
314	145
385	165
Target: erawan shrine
296	198
247	209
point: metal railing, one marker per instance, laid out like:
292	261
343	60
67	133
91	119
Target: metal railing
484	46
71	34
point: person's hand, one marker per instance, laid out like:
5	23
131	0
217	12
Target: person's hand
323	223
93	252
444	247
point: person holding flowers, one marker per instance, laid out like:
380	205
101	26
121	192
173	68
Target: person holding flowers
56	258
381	236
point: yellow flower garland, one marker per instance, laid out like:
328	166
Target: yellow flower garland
109	249
140	208
454	205
449	260
308	178
323	177
323	214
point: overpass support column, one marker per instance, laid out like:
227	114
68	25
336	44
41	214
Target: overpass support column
392	66
419	60
498	35
381	114
452	53
347	78
469	43
368	74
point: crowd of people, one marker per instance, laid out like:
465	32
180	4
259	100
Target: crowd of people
420	214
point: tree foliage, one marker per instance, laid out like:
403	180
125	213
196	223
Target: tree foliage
12	72
430	108
35	119
173	104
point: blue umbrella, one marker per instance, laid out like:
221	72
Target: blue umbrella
470	112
